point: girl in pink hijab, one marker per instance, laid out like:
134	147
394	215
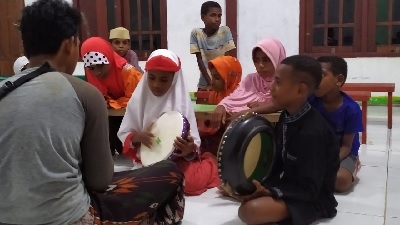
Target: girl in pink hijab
254	89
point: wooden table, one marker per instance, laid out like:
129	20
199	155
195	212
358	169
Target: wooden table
201	111
375	87
116	112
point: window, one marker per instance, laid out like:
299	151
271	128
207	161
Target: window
351	28
385	20
145	19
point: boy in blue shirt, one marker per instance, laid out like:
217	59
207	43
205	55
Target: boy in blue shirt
344	116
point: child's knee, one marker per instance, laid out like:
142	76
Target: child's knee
246	212
344	180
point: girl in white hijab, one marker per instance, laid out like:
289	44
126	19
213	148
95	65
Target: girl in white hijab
162	89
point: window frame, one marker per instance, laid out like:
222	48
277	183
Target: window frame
364	32
122	19
144	54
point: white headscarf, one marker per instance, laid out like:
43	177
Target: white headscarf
19	64
144	107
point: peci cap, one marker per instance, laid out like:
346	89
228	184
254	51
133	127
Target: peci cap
120	33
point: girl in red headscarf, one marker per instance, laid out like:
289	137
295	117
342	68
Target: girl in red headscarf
113	76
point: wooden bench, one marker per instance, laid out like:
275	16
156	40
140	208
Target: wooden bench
363	97
375	87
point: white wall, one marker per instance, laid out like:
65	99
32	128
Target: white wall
375	70
259	19
28	2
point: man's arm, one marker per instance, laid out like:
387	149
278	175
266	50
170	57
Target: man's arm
97	163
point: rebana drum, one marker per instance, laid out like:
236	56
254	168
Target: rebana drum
169	126
246	153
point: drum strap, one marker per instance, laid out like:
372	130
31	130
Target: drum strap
11	86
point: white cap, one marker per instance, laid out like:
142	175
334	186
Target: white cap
20	63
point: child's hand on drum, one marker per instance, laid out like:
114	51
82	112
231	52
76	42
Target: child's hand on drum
260	191
253	104
222	190
218	117
185	146
237	114
145	137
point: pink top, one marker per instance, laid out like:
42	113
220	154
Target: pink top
254	88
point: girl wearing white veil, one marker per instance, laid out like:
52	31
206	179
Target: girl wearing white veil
163	89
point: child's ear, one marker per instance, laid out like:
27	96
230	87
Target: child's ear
303	89
340	80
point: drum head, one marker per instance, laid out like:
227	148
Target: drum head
258	157
169	126
246	153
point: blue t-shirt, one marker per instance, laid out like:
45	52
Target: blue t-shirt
347	119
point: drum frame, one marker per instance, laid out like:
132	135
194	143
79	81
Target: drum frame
237	180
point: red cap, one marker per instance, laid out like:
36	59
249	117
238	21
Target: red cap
162	63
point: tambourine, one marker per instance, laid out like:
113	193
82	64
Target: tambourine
169	126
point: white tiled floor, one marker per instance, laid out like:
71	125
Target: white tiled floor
375	199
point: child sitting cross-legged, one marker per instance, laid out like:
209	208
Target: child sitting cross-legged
300	188
343	114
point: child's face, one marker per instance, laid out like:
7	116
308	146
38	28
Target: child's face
285	89
263	64
329	82
213	18
100	71
121	46
159	81
217	82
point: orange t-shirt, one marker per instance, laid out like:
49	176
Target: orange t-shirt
131	78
